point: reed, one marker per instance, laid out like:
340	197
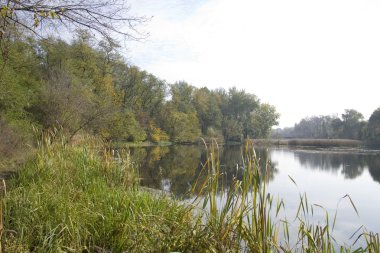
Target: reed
245	217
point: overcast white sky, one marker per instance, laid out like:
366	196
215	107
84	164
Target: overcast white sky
304	57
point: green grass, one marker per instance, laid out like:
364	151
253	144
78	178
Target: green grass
71	199
77	199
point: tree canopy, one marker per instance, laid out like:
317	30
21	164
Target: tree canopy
373	132
86	86
351	125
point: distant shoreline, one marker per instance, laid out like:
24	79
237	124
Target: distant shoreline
322	143
310	142
296	142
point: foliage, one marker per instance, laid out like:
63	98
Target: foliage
85	86
351	125
373	130
262	120
182	127
142	92
156	134
208	106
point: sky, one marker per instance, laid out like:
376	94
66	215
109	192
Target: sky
304	57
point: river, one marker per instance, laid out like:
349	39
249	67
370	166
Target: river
324	175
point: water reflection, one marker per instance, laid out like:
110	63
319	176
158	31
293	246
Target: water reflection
178	167
324	175
374	167
167	168
349	164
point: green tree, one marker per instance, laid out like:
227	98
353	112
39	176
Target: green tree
352	124
262	121
237	106
144	93
182	127
179	117
232	130
207	105
79	92
373	128
19	79
182	96
336	127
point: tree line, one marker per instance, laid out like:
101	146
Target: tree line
350	125
86	86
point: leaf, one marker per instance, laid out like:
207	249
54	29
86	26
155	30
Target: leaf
293	180
352	203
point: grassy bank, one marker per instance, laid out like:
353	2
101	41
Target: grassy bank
73	199
323	143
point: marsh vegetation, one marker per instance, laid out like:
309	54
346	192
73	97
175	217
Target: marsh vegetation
75	199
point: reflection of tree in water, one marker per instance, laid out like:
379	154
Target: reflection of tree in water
148	160
176	163
266	163
182	165
374	167
352	165
232	162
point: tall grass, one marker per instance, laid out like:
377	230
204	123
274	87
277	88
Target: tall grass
73	199
244	217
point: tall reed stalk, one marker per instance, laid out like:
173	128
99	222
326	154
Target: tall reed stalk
244	217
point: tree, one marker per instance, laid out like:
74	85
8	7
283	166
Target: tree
143	92
336	127
352	124
232	130
237	106
182	96
208	109
373	128
179	117
103	17
182	127
19	79
262	120
78	91
240	104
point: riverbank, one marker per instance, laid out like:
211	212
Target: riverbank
323	143
71	199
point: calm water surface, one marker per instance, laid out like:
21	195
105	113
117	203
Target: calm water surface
324	175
